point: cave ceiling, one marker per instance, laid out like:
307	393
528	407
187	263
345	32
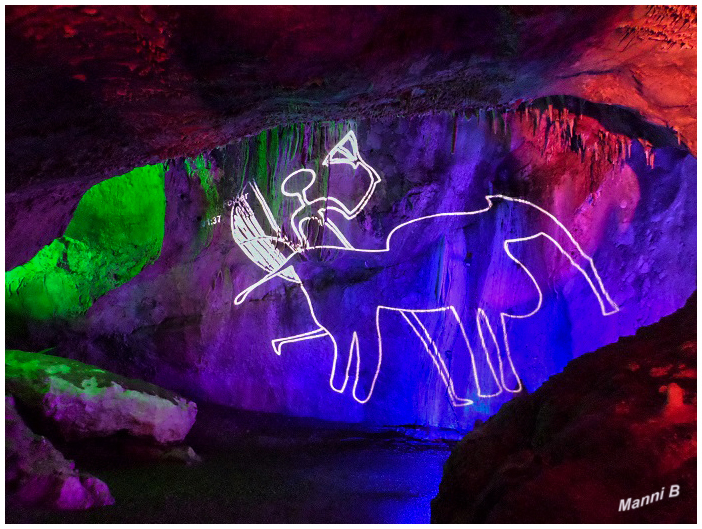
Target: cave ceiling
95	91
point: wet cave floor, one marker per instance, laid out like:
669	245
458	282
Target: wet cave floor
272	469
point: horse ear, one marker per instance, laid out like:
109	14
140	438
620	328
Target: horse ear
346	151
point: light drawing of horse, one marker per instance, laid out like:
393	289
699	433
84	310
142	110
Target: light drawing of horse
363	284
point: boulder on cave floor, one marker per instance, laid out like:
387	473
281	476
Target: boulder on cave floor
37	475
80	401
594	444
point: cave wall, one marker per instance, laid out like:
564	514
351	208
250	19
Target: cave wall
625	189
116	230
94	91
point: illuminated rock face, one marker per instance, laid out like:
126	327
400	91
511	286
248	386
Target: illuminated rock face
80	401
96	91
116	230
587	445
37	475
629	205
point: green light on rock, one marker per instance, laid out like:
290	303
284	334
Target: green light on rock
116	230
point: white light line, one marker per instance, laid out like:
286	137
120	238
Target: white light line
481	315
321	205
430	347
275	264
336	231
436	358
248	235
320	332
266	210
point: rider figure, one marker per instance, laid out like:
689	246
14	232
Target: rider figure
345	152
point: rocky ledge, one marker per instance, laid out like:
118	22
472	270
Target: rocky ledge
596	443
36	474
82	401
81	410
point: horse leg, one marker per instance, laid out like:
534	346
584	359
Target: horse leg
432	349
343	358
367	348
480	344
496	327
278	343
341	363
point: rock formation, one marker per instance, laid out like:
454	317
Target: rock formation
82	401
147	149
168	317
117	87
37	475
619	423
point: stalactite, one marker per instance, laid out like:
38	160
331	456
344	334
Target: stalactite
453	135
303	145
274	153
261	176
557	128
648	152
309	142
297	132
244	158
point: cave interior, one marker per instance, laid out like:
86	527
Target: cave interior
350	264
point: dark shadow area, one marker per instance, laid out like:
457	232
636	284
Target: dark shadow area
58	127
263	468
